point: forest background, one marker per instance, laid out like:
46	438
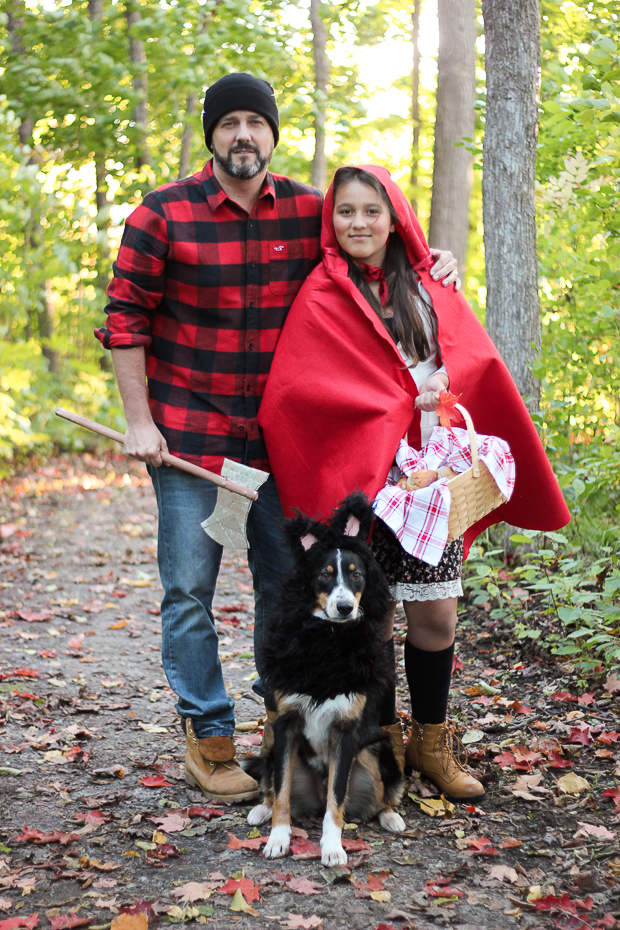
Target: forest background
100	102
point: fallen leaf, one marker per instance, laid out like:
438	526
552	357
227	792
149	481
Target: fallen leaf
305	849
194	891
297	922
155	781
171	823
580	735
504	873
35	616
612	684
130	922
587	699
41	839
240	904
13	922
245	885
304	886
253	843
572	784
589	829
66	921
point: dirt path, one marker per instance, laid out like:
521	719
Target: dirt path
96	817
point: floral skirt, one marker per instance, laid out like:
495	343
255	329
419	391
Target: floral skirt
409	578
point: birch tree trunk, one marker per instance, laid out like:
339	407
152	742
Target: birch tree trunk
415	101
512	32
321	79
140	82
452	165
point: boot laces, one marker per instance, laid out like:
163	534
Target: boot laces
448	736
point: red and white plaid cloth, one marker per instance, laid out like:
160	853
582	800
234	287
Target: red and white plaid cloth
419	519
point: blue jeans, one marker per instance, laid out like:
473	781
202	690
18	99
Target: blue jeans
189	563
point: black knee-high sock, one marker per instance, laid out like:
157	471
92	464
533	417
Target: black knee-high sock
428	677
387	711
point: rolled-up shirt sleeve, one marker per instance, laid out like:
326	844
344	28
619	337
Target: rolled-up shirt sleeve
138	284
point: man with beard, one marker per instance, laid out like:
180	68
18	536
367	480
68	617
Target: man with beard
206	272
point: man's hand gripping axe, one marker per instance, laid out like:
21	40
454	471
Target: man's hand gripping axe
227	523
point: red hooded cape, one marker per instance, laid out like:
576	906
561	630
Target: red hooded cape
338	398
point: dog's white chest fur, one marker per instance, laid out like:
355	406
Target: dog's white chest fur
318	718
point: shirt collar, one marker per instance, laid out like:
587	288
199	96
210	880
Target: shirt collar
215	193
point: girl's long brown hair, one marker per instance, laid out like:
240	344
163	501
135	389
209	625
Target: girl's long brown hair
401	280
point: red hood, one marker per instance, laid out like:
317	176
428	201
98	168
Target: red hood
338	398
407	225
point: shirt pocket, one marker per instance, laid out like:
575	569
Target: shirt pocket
287	267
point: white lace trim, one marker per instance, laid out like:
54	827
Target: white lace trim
438	590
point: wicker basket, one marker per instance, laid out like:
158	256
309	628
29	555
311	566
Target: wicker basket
474	492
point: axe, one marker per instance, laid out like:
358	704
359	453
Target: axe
227	523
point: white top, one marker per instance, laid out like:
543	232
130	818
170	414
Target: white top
423	370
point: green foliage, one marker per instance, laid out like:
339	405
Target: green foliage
568	603
579	200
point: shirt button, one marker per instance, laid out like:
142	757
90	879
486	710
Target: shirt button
252	265
242	429
251	347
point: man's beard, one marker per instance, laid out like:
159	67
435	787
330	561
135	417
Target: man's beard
246	170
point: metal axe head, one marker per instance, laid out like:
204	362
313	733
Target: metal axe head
227	524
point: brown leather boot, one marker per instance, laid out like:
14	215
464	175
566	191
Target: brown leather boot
267	741
211	764
395	732
429	751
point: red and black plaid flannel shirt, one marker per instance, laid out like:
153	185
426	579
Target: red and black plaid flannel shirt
206	288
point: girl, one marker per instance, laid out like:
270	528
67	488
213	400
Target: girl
368	345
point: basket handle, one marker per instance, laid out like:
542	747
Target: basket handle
472	440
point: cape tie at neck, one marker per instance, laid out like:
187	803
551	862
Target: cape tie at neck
372	273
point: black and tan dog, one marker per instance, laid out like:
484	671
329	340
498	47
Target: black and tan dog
324	660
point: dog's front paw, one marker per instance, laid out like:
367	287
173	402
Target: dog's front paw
332	854
259	815
392	821
279	842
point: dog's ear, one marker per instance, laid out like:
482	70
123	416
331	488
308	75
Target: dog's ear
354	516
302	533
308	541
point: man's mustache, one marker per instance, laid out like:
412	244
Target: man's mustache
244	147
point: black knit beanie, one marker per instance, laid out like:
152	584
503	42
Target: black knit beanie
239	92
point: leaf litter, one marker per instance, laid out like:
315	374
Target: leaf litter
90	811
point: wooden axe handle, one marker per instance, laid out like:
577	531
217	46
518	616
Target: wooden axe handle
173	460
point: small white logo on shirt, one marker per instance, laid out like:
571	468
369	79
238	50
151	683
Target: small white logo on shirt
278	248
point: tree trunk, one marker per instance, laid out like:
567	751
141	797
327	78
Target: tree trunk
415	102
452	167
39	309
191	105
140	82
95	14
187	138
321	78
512	33
15	10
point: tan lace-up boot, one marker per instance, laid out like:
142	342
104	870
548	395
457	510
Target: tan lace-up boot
429	751
267	741
395	732
211	764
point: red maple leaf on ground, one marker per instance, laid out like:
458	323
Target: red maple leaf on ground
12	923
248	889
255	843
68	921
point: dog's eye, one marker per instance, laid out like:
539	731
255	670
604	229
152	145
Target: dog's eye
357	575
324	575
